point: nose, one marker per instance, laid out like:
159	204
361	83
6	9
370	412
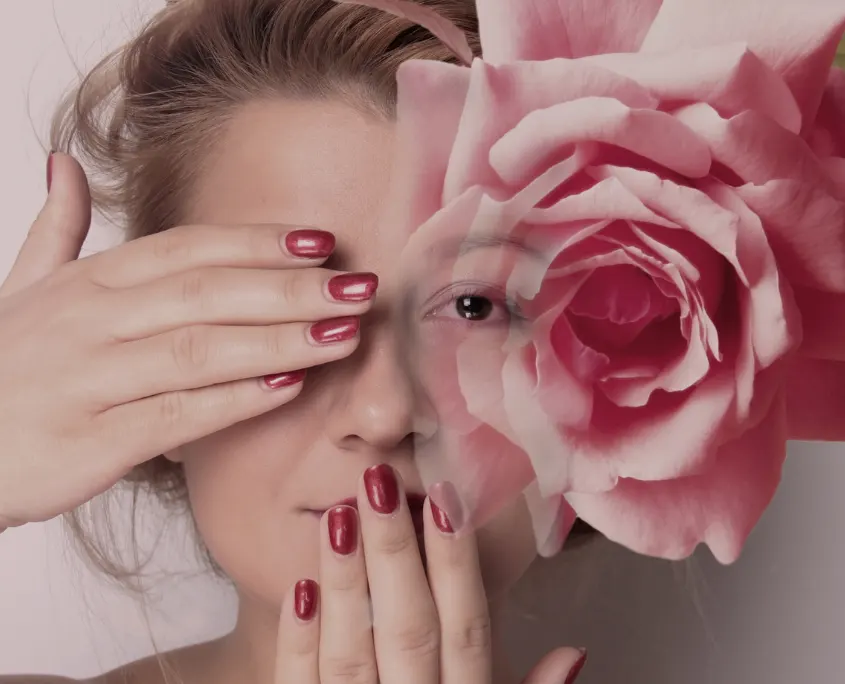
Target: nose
377	407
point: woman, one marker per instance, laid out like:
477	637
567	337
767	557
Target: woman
237	352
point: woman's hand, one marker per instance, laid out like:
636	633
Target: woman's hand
377	617
110	360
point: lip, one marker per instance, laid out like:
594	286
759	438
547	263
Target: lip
415	501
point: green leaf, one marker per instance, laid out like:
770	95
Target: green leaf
840	55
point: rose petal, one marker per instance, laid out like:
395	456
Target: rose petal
754	147
815	392
522	30
727	77
499	97
675	439
430	104
823	324
796	39
531	146
828	136
552	520
774	327
806	229
718	507
553	461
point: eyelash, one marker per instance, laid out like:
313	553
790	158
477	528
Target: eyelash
459	291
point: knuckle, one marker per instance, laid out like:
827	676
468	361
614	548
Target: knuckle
347	669
474	636
172	408
174	244
291	290
349	582
275	341
418	640
193	288
300	644
190	348
395	544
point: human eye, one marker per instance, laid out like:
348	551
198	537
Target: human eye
473	304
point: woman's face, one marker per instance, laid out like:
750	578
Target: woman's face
253	487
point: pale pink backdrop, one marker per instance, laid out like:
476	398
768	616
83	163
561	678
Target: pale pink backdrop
777	616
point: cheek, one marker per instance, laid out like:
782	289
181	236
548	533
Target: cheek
239	483
506	548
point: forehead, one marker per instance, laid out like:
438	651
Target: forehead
308	163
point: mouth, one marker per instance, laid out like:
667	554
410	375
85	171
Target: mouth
416	503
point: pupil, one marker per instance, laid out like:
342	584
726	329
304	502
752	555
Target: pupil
474	308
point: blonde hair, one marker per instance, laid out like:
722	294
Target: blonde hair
142	121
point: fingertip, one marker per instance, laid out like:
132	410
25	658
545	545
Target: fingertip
279	381
576	668
560	666
306	597
69	191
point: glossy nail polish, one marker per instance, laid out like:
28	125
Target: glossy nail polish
577	667
382	488
343	529
447	495
50	170
309	243
353	287
280	380
305	599
335	330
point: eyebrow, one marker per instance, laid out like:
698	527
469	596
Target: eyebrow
462	247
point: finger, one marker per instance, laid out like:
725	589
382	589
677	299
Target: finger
236	296
58	233
455	577
298	642
346	635
563	665
406	630
186	248
165	422
200	356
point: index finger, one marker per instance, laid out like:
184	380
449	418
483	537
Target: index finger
188	247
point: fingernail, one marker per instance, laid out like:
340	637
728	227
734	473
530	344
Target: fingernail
335	330
305	599
310	244
382	488
577	667
353	287
343	529
50	170
280	380
447	495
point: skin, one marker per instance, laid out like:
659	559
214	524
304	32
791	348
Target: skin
254	485
326	166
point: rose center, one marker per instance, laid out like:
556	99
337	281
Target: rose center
615	305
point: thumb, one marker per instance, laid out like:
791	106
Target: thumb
57	234
561	666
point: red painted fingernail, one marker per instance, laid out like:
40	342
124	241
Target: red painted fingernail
343	529
50	170
353	287
280	380
447	495
305	599
577	667
335	330
310	244
382	488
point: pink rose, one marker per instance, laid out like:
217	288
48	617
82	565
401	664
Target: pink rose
659	189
